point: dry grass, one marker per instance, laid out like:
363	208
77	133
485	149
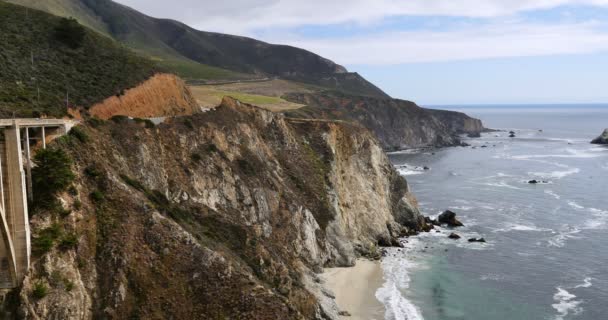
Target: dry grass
264	94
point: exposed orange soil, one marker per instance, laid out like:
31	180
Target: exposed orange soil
160	96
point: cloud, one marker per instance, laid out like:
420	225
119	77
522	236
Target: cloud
245	16
473	42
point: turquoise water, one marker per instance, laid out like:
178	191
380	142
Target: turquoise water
547	250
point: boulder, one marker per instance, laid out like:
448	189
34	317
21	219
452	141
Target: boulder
426	168
477	240
474	135
603	139
448	217
454	236
533	181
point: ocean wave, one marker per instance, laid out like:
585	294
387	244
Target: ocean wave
553	194
396	305
407	151
396	277
586	283
575	205
501	184
566	304
556	174
409	172
559	240
521	227
570	153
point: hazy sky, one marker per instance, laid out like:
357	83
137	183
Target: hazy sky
432	51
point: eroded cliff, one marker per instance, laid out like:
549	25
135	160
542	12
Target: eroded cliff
398	124
220	215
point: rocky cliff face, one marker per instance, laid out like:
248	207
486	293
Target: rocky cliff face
603	139
398	124
160	96
220	215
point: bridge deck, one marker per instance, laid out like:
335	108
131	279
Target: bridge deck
34	122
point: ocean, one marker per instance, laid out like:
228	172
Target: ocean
546	255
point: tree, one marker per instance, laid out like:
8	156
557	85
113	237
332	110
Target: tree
51	175
70	32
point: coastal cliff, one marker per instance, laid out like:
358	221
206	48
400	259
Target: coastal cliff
397	124
224	214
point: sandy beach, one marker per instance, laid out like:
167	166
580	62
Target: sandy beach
355	289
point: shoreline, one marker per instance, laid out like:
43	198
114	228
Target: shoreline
355	289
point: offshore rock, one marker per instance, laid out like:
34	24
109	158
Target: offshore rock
448	217
603	139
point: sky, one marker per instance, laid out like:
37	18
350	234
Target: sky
434	52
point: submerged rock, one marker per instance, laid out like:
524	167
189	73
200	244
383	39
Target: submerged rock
454	236
474	135
448	217
603	139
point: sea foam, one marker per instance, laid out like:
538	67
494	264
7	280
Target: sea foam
565	304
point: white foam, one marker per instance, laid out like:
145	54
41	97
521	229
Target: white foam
553	194
565	304
501	184
575	205
586	283
560	239
556	174
520	227
406	151
397	280
570	153
409	172
396	305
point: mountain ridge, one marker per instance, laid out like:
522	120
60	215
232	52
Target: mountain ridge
185	50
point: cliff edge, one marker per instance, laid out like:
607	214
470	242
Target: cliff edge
224	214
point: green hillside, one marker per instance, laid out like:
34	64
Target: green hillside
200	55
45	59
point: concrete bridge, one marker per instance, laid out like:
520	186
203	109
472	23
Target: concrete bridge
18	139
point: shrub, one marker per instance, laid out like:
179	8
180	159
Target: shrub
70	32
40	290
73	191
69	285
92	171
120	119
95	122
68	242
97	196
46	239
132	182
51	175
196	157
79	134
77	205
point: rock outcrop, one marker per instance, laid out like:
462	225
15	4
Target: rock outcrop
603	139
160	96
449	217
397	124
224	214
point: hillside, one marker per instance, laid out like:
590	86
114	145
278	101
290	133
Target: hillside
219	215
40	70
397	124
190	52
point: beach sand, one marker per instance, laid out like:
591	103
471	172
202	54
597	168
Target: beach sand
355	289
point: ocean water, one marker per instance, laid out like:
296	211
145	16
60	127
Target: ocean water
546	255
